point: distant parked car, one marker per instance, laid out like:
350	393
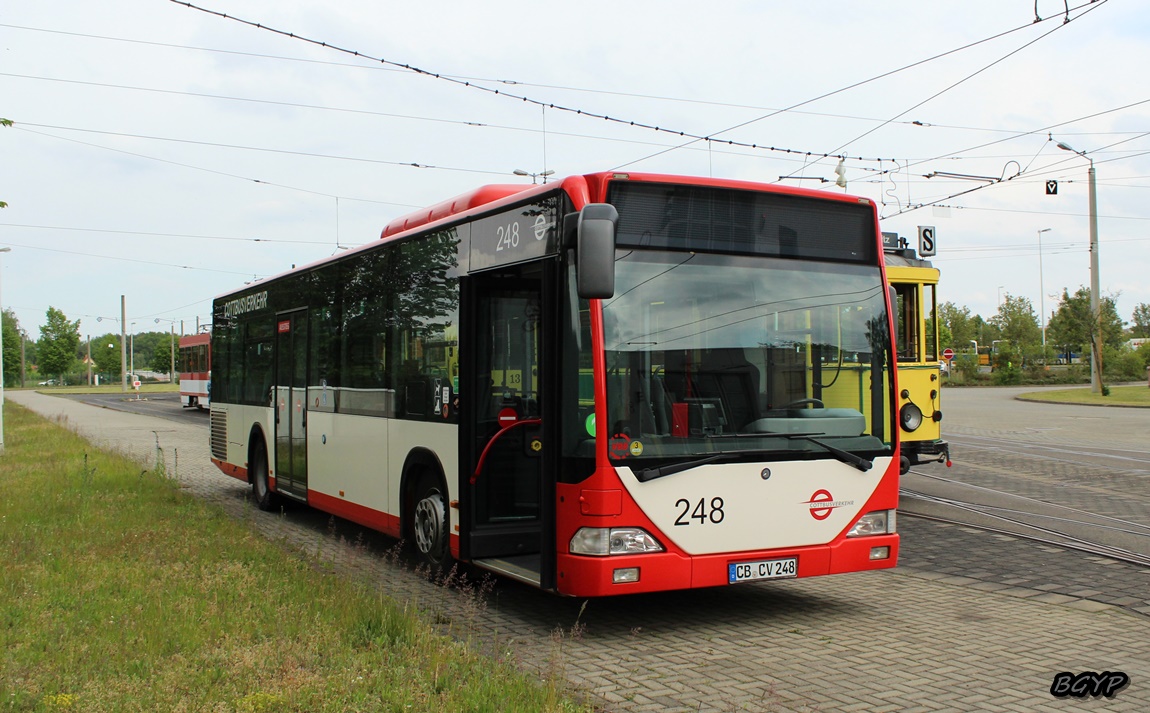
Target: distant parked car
49	382
944	365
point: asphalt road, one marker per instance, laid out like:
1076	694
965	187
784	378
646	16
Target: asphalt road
160	405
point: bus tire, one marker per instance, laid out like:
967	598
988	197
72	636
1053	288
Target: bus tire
430	523
262	494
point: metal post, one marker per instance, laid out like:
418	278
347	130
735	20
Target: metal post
2	250
123	347
1095	302
172	355
1042	294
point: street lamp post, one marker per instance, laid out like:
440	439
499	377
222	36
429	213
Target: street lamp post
2	250
1042	293
1095	305
543	174
123	345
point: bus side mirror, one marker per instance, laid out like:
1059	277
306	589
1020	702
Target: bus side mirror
595	251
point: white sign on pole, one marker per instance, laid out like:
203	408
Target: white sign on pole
926	246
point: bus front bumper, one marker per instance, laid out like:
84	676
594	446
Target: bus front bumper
586	576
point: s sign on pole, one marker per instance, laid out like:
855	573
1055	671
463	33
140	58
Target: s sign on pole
926	246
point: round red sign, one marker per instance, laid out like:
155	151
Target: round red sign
948	353
821	496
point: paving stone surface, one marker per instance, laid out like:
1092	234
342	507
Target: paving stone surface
962	625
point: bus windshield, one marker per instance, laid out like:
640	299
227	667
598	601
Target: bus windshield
745	354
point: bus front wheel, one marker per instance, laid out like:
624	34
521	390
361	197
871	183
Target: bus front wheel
429	524
261	493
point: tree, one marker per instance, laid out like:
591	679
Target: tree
1141	321
986	331
106	355
1017	324
146	344
11	327
59	340
1073	327
959	323
162	355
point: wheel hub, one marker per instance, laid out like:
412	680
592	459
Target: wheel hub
430	514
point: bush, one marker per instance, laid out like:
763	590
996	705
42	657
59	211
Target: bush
1143	353
1007	375
1122	364
967	365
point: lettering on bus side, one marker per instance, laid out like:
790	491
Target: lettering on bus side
522	233
245	304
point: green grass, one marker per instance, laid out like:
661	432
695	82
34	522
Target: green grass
121	593
1119	396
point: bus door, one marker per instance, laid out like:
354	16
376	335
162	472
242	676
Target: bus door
508	479
291	403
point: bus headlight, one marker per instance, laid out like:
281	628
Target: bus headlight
879	522
910	416
603	541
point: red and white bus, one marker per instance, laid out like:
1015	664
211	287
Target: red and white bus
609	384
196	370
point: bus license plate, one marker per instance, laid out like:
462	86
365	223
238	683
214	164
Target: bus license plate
764	569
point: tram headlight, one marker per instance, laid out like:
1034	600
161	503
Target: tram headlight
910	416
879	522
603	541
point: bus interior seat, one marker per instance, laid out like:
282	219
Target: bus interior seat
722	374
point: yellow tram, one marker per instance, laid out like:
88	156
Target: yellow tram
915	283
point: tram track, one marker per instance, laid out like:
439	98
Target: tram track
992	510
1027	448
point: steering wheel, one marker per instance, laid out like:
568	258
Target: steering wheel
803	402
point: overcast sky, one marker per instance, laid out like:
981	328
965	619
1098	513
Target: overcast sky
169	155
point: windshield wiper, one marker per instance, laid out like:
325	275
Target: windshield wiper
651	473
662	471
847	457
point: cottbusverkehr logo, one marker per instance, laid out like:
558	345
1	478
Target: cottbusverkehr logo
822	503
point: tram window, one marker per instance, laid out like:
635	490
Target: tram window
931	323
908	319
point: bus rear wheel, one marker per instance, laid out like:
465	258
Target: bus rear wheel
430	523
